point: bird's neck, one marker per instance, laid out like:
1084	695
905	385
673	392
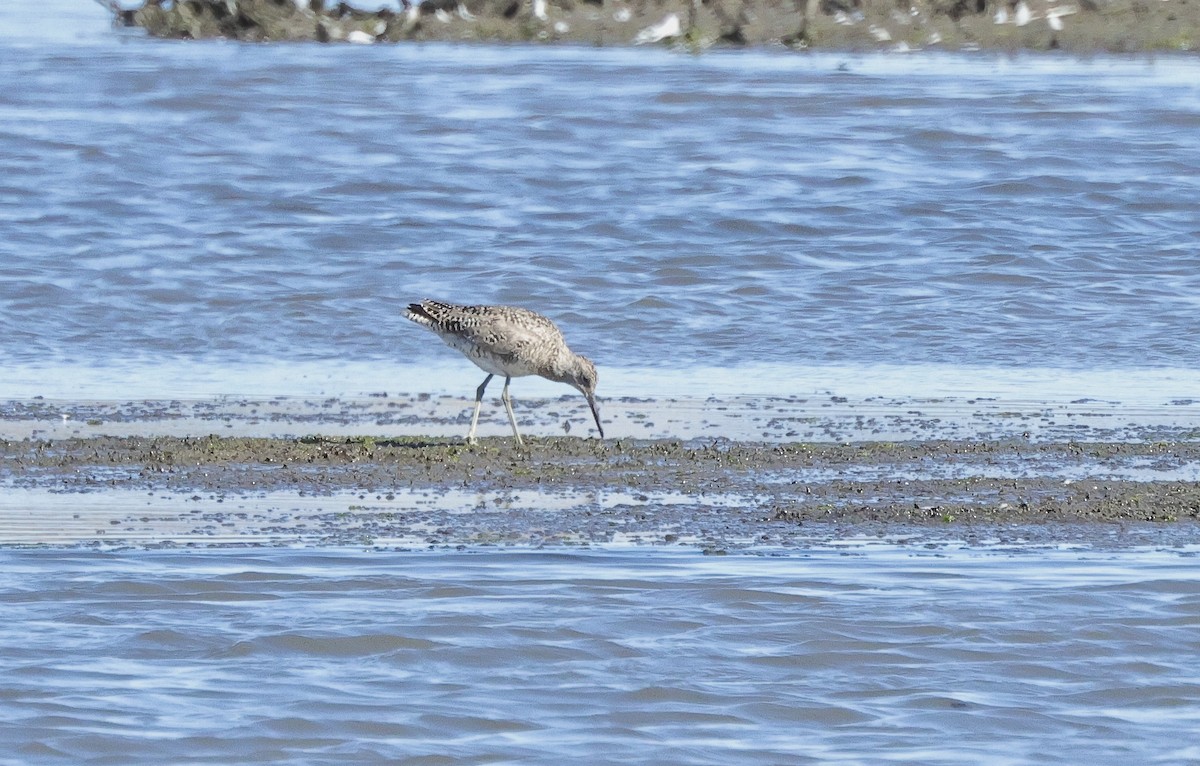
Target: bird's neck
564	368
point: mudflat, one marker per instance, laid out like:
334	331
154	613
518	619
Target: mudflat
349	472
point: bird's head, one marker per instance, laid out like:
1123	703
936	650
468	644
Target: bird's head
584	377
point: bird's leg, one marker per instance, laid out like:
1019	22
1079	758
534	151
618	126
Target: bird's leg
478	403
511	417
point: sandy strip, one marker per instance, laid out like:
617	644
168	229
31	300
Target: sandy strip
819	418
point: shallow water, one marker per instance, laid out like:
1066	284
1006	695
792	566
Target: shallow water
217	218
869	655
200	219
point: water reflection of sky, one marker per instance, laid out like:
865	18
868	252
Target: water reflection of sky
982	387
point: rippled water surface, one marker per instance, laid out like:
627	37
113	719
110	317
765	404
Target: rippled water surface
183	218
855	656
193	208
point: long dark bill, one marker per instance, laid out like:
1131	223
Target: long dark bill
591	400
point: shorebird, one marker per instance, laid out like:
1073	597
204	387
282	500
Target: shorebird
508	341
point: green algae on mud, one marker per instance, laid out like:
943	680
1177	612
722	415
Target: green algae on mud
1122	26
926	482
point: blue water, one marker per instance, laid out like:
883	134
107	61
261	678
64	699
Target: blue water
856	657
183	217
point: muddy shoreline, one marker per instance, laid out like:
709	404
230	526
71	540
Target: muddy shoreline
1088	26
916	482
718	475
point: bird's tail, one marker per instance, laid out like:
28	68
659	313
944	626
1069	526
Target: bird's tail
434	314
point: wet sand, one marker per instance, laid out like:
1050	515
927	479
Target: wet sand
1122	26
716	474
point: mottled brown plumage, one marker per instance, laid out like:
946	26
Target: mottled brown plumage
509	341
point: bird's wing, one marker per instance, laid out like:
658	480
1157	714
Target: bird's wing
505	333
512	336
